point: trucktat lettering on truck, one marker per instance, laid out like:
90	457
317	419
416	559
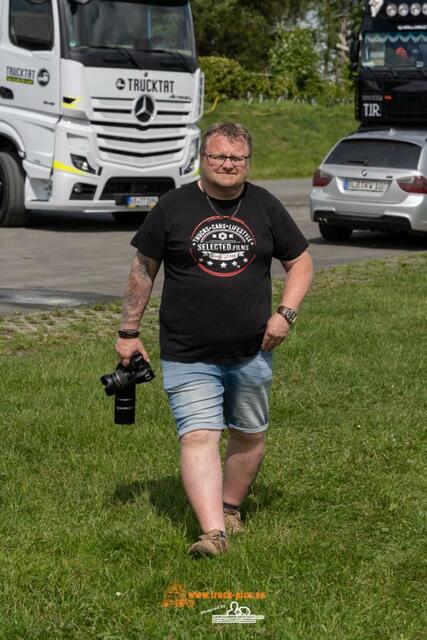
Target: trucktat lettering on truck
390	57
98	105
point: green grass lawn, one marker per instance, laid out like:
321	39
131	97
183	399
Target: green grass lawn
280	151
94	525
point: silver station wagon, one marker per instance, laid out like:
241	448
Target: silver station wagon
372	179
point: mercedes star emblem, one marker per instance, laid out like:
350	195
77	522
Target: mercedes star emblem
364	172
145	108
120	84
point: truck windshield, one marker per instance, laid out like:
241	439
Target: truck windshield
395	50
154	34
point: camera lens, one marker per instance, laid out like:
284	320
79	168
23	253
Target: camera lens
124	405
119	379
108	382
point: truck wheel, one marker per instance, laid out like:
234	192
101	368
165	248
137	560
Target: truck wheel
335	234
12	209
125	217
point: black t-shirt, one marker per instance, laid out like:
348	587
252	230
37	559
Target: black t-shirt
216	297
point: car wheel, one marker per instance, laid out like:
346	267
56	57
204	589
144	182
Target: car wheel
12	208
125	217
335	234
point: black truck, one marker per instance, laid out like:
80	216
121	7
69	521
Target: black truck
390	57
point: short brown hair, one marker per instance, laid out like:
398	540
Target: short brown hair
231	130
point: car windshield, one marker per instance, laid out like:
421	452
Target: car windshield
376	153
403	49
156	27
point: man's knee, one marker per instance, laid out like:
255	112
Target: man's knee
201	438
247	436
250	439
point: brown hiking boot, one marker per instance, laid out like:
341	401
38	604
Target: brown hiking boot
233	521
212	543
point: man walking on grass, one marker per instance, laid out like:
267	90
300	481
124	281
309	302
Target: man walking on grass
217	238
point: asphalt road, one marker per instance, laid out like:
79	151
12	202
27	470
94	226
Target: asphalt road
65	260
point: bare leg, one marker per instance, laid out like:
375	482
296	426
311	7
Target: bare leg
202	477
242	461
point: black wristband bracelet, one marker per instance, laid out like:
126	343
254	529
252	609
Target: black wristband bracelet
128	333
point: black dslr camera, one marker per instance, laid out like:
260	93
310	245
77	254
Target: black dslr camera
122	383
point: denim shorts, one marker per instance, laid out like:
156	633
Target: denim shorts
215	396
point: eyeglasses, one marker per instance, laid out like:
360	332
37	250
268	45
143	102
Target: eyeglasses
218	160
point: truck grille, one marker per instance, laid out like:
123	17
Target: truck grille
123	139
407	107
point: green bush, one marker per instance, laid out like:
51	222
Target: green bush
290	77
329	93
224	77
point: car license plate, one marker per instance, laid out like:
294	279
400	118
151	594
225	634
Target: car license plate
364	185
136	202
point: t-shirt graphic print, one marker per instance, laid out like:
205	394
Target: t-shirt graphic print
223	247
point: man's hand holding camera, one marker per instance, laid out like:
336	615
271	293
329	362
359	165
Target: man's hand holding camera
126	347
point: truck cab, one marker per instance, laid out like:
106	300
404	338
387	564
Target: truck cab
99	101
390	58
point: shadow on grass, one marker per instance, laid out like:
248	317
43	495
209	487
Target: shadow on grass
166	496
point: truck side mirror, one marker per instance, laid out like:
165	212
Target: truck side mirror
354	52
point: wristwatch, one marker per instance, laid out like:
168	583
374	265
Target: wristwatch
289	314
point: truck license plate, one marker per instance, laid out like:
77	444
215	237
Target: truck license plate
146	202
364	185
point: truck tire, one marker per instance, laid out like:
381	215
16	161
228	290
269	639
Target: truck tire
12	209
335	234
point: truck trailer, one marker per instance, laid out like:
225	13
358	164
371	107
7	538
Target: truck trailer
99	101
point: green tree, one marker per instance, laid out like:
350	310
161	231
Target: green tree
337	18
242	29
295	59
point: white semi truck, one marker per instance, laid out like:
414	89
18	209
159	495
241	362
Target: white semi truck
99	101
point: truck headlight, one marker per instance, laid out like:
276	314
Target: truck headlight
194	156
200	96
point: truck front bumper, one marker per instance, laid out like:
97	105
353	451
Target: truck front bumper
94	184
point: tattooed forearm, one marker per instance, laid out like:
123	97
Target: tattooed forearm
138	289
